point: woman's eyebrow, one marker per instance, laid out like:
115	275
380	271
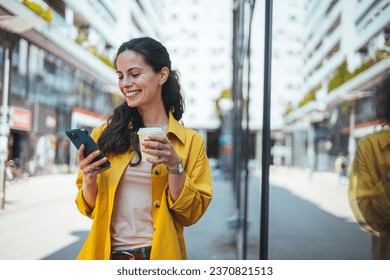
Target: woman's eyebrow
131	68
135	67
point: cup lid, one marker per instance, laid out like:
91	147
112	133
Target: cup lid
150	130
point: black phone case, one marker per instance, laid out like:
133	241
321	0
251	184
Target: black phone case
80	136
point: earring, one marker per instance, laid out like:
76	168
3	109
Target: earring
172	109
161	83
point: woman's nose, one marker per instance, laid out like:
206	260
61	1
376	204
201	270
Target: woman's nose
127	82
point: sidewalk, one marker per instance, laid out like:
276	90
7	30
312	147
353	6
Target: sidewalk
40	217
321	188
41	220
310	217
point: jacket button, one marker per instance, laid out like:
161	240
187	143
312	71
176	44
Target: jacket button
156	203
157	171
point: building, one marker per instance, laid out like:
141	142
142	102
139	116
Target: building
347	49
287	69
61	72
198	36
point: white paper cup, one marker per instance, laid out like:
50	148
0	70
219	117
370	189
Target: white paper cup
143	133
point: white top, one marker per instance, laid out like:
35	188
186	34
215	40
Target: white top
131	222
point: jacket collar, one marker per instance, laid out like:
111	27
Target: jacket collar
175	128
385	139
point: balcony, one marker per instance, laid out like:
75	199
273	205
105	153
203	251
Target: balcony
326	47
374	22
358	84
58	38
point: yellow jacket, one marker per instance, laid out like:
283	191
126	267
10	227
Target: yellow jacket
369	189
169	217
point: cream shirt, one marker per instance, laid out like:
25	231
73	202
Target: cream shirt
131	222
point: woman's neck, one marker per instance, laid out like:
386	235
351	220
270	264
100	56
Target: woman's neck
157	123
154	118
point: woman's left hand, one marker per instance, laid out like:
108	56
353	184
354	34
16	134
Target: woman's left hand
161	146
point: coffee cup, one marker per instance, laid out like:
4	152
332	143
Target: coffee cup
144	133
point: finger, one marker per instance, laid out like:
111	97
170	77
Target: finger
92	155
97	164
157	161
162	155
153	152
157	138
157	145
80	153
90	170
151	144
97	170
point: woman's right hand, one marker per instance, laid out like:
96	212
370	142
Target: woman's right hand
88	168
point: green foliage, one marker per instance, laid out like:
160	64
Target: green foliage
382	54
340	77
342	74
225	94
46	14
81	37
289	108
106	60
92	49
310	96
363	67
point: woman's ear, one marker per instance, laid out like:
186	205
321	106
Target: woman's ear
164	74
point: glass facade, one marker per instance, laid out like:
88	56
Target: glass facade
46	89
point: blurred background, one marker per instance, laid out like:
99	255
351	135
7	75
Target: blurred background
326	62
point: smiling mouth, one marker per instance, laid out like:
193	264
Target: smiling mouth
132	93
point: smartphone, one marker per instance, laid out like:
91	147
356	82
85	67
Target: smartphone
80	136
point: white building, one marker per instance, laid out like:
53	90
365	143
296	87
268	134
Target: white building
286	67
198	36
346	54
287	64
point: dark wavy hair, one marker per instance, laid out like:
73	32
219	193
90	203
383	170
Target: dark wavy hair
383	101
120	135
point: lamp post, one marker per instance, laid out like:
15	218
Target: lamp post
4	118
12	25
266	143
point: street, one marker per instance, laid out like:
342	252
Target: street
41	219
309	219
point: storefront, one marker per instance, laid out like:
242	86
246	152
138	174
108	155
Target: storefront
44	89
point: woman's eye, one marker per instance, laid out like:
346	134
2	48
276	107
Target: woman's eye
135	75
120	78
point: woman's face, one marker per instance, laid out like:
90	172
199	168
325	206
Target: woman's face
137	81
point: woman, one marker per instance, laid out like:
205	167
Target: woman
139	207
369	187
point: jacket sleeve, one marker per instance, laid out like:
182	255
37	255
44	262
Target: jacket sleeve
369	199
82	205
197	191
80	201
